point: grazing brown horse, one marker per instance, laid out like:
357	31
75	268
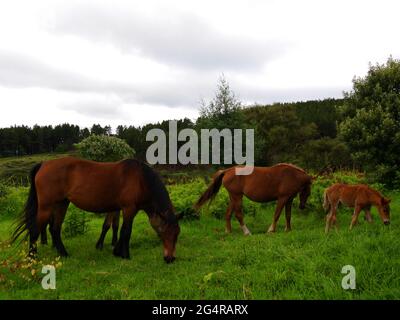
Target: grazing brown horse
357	196
127	185
281	182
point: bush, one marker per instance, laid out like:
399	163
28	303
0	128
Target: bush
104	148
76	223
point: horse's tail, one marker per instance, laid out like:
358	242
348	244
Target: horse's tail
211	191
326	204
27	219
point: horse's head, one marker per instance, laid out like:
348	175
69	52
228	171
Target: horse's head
167	227
304	194
384	210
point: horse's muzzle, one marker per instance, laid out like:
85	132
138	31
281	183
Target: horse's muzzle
386	222
169	259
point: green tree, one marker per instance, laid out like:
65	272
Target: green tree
371	122
104	148
325	153
223	111
279	133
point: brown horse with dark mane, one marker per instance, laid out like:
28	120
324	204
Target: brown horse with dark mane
127	185
281	182
357	196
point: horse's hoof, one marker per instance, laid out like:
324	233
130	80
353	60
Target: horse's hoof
63	253
99	246
125	255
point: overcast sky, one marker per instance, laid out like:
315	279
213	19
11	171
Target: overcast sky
133	62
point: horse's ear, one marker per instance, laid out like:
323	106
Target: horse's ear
386	200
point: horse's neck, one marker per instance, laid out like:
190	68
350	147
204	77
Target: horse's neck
375	198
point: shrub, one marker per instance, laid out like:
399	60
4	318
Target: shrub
104	148
76	223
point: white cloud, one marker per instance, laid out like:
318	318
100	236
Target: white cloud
132	62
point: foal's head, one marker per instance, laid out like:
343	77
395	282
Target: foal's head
167	227
384	210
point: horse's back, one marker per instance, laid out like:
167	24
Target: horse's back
348	194
266	183
90	185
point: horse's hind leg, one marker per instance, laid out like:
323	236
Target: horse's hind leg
278	210
42	219
43	235
115	226
238	208
55	227
106	225
288	214
331	216
228	216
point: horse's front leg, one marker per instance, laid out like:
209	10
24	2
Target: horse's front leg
288	214
368	215
354	219
121	249
115	226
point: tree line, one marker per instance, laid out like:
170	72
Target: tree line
360	130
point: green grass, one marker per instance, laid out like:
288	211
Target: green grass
302	264
15	170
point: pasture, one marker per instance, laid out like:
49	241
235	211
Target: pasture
302	264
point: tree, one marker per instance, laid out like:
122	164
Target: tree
371	122
324	153
279	133
223	111
104	148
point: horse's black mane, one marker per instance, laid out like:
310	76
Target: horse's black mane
161	201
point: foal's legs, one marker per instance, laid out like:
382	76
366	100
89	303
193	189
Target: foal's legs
368	216
279	206
331	216
121	249
55	226
356	213
288	214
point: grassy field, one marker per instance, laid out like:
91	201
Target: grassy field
302	264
